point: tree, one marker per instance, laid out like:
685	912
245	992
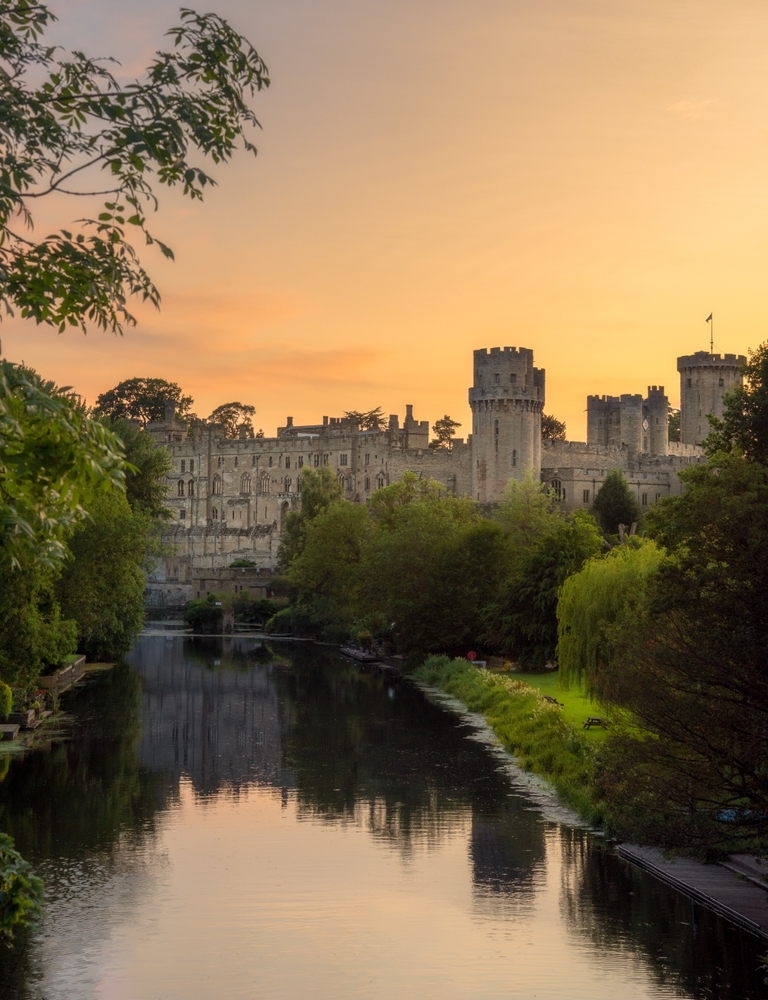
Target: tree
234	417
320	488
552	429
66	118
615	503
528	511
53	459
102	586
444	430
142	399
744	427
673	427
148	464
367	420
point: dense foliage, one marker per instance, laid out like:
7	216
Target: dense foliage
141	399
616	504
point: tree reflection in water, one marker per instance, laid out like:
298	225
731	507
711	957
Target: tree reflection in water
620	908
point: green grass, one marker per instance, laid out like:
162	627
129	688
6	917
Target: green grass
544	738
576	705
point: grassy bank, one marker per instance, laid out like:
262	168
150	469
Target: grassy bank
534	730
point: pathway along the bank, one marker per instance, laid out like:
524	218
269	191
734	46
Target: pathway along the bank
717	888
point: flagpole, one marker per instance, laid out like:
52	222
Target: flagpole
711	333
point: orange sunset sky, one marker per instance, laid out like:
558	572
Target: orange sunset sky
588	178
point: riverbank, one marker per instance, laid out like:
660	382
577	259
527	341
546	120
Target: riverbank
531	728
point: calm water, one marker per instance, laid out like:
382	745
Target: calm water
242	824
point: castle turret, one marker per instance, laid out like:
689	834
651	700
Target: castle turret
506	402
656	434
704	380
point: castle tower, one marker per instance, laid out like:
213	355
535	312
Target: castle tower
656	434
506	402
704	380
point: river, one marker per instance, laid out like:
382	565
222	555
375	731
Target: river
236	821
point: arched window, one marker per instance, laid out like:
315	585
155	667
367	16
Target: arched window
214	514
287	461
190	488
217	484
265	483
367	484
557	488
287	484
514	458
300	461
284	508
380	482
181	487
245	483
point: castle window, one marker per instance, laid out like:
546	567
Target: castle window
514	458
317	460
214	513
367	484
245	484
367	459
496	435
265	484
380	482
719	382
287	485
182	514
253	459
513	379
325	459
644	499
689	383
300	462
181	487
298	485
585	497
557	488
235	461
191	465
270	461
183	465
350	483
658	497
287	461
497	378
219	465
190	488
342	459
217	484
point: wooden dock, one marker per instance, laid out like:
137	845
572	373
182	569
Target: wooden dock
713	886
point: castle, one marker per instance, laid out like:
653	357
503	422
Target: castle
228	497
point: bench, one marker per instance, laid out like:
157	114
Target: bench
595	720
551	700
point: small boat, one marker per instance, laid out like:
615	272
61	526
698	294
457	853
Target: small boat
361	655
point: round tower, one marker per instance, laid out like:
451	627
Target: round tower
704	380
506	400
656	435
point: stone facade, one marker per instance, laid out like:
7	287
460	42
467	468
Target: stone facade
229	497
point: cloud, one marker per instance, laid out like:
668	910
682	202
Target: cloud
690	110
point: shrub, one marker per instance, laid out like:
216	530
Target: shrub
203	615
6	701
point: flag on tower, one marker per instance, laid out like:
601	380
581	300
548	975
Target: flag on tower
708	319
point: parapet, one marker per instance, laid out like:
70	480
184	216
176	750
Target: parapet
703	359
504	373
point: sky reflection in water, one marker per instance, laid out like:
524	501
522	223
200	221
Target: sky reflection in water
243	824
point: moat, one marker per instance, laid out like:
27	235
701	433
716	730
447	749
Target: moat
231	820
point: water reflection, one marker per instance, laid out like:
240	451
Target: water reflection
318	809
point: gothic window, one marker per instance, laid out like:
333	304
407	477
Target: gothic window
325	459
181	487
298	485
300	462
350	483
380	482
367	459
644	499
183	465
585	496
190	488
557	488
214	513
245	483
514	458
317	460
217	484
342	459
367	484
219	465
287	485
287	461
191	465
270	461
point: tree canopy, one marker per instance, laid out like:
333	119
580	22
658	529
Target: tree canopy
142	399
444	430
744	426
367	420
615	503
234	417
70	128
552	429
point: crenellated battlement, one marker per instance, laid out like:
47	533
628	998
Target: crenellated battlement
703	359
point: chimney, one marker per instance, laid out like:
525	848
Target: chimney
170	411
289	421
